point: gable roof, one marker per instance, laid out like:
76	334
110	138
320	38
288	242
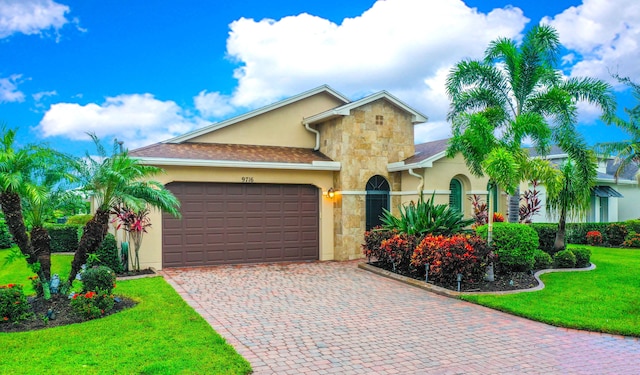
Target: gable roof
345	110
207	129
426	154
233	155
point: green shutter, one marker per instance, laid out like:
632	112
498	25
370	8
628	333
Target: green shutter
455	197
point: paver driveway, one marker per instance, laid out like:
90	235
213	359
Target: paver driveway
333	318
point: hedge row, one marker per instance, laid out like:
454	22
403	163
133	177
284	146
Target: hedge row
6	240
64	237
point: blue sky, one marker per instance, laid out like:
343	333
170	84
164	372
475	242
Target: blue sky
146	71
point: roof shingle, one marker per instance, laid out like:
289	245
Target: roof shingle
229	152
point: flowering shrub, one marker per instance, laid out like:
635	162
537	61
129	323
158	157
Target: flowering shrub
91	305
594	237
632	240
449	256
498	217
100	278
13	304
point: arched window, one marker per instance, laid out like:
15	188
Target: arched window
455	197
377	199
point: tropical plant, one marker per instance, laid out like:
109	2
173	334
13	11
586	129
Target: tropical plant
29	174
627	151
480	209
426	217
135	223
511	95
570	195
531	203
116	180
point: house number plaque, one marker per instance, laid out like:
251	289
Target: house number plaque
247	179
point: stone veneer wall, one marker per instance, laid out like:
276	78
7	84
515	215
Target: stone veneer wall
364	149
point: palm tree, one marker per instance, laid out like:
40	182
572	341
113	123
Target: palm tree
570	195
628	151
19	171
514	94
112	181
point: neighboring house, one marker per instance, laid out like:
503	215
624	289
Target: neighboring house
298	180
611	200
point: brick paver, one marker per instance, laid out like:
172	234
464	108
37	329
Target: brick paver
333	318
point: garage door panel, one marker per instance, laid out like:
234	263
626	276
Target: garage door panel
241	223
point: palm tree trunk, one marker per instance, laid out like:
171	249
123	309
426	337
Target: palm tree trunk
12	209
41	242
93	233
514	206
558	244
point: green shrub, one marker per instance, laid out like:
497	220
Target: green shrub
583	257
91	305
616	233
425	217
565	259
81	219
632	240
64	237
633	225
546	236
98	278
107	255
577	232
6	240
514	245
542	260
13	304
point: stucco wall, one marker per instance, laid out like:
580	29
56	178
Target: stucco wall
151	251
282	127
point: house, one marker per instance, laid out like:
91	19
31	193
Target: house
611	200
297	180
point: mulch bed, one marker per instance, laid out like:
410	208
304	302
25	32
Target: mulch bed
146	271
65	314
513	281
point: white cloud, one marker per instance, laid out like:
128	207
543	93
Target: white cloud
213	104
403	46
137	119
43	94
31	16
9	89
605	33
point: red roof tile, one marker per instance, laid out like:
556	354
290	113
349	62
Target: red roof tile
229	152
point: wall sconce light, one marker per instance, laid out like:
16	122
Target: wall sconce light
331	193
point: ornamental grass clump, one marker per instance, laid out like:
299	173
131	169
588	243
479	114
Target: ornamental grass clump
449	256
13	304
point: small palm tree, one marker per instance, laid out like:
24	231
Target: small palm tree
570	195
628	151
514	94
28	174
117	180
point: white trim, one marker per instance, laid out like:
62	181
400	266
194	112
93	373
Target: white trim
426	163
259	111
344	110
478	192
424	192
620	181
313	166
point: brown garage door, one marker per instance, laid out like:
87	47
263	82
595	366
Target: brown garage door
240	223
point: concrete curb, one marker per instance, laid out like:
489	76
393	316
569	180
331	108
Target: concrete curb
453	294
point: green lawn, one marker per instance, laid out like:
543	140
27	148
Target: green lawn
606	299
161	335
